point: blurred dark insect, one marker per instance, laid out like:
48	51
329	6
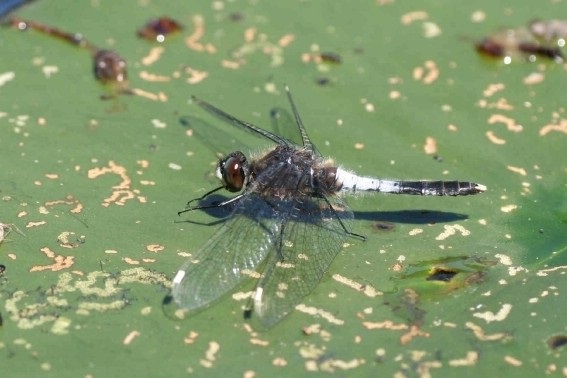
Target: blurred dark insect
530	49
159	28
108	66
541	39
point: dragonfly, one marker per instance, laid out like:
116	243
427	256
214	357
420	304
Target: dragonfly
288	222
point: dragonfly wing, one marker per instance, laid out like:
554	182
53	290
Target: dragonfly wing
229	257
215	139
311	238
283	124
242	125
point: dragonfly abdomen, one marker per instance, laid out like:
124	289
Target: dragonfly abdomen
350	182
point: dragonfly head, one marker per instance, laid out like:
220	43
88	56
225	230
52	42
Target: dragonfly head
233	171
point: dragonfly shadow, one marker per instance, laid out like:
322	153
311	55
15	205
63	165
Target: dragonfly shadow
421	216
221	213
417	216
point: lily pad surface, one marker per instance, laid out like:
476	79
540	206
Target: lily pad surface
92	178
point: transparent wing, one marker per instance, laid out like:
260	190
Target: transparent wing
284	124
311	238
229	257
239	124
216	140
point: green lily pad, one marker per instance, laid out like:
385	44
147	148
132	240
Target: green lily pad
390	89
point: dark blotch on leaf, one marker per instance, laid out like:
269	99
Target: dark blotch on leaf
236	16
383	226
440	274
330	57
558	341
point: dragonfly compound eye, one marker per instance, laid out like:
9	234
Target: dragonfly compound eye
233	174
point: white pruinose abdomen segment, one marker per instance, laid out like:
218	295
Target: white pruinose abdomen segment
353	183
349	182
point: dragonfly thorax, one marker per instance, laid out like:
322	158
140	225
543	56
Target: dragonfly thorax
287	171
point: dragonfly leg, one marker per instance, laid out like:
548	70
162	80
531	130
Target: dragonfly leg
212	206
336	214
